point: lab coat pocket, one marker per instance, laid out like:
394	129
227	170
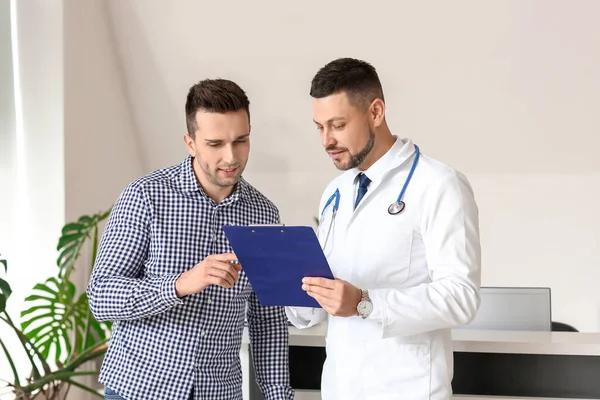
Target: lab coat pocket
394	370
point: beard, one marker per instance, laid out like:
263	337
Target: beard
219	178
358	158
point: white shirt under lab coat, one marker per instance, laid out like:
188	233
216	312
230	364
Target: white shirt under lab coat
421	268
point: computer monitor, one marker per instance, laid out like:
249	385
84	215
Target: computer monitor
513	308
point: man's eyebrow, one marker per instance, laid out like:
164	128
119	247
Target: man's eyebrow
330	120
242	136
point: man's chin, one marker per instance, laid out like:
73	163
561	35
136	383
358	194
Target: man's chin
341	165
228	182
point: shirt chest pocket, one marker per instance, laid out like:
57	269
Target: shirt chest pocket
385	255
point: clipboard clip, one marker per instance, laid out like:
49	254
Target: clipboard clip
267	225
281	225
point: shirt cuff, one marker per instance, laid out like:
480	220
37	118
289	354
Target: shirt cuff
380	310
167	290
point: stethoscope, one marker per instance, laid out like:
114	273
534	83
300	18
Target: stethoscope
395	208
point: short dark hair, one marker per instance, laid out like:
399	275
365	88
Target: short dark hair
357	78
214	95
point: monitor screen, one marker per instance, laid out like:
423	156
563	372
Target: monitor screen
512	308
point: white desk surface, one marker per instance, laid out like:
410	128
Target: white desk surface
316	395
520	342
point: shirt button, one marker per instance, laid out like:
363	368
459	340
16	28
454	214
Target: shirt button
209	301
202	333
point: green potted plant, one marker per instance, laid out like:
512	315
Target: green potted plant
57	332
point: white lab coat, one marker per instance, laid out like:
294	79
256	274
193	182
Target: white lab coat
422	270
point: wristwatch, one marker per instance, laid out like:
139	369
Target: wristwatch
365	306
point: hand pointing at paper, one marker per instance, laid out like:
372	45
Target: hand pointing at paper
336	296
217	269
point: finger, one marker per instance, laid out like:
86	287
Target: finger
217	280
225	257
323	282
224	268
228	268
236	265
323	301
321	291
221	274
328	305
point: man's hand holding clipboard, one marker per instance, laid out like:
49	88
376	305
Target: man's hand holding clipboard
217	269
276	259
336	296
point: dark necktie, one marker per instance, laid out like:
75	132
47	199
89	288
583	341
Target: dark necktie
362	188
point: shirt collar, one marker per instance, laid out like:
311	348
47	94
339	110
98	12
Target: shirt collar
189	183
187	178
400	151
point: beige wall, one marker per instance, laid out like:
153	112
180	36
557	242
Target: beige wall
101	144
101	147
506	91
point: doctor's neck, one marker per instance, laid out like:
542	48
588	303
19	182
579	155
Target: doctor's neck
384	140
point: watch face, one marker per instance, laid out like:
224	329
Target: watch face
365	308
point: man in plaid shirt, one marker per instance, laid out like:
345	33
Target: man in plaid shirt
166	276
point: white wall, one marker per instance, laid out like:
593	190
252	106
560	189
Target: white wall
7	140
7	121
78	148
33	188
507	92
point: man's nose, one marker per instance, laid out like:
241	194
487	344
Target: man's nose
327	138
228	155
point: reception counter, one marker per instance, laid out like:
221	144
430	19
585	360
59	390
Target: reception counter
487	364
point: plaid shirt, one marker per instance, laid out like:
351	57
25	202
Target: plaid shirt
163	347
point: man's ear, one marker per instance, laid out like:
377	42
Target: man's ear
377	112
189	143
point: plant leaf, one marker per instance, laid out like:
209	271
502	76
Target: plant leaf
38	297
32	310
71	238
52	321
44	288
67	253
73	227
70	243
5	289
85	220
74	235
5	292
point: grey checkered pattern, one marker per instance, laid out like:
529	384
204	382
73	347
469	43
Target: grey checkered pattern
163	347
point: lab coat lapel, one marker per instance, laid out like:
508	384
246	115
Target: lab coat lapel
402	151
401	157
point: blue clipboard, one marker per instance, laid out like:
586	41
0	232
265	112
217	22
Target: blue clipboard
276	258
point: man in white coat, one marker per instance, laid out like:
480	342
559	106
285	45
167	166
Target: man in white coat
401	233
